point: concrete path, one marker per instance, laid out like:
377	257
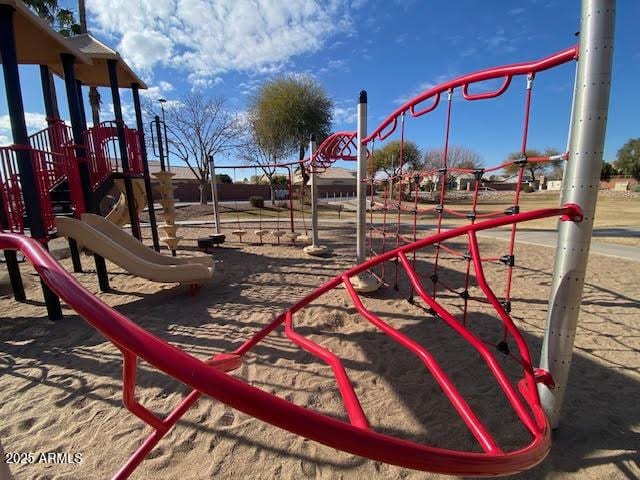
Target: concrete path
544	238
549	238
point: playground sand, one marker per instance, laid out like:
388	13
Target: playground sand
60	384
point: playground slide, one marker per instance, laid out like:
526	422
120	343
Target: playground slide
119	214
125	258
119	236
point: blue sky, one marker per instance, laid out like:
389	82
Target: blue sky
393	49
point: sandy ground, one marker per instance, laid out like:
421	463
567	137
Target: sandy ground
60	384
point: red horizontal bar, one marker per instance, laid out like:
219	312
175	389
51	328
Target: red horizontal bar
479	431
494	366
512	70
350	400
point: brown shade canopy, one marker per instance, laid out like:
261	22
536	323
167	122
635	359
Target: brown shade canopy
36	42
97	74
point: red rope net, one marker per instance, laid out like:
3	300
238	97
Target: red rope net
400	195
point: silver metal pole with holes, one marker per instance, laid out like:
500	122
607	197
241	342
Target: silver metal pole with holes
314	194
214	194
361	186
315	249
364	282
579	186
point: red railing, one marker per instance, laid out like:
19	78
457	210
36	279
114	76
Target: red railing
11	189
103	151
54	139
10	192
356	436
55	157
53	161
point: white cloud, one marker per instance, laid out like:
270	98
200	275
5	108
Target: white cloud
250	86
128	113
209	38
422	87
344	116
35	121
159	90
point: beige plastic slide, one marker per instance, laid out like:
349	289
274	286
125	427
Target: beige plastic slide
128	259
119	214
129	242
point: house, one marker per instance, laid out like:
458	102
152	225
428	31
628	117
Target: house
456	181
334	181
332	176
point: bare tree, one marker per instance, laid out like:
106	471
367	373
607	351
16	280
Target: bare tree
199	127
263	151
534	169
457	157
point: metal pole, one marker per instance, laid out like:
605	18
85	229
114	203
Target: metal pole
315	241
166	138
135	88
124	156
23	156
290	186
73	100
315	249
214	194
83	115
160	145
365	282
48	94
580	186
51	109
361	186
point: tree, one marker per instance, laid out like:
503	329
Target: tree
284	113
61	19
607	171
628	158
64	21
387	158
534	168
94	94
199	127
263	155
223	178
457	157
45	9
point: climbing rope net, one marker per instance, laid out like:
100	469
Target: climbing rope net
398	248
398	200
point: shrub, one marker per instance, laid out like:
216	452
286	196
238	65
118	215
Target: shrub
635	188
527	189
256	201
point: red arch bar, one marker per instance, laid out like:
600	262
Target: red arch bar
506	71
208	377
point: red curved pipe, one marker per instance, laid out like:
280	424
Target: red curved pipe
512	70
204	378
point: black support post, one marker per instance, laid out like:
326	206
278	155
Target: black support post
145	165
83	113
160	142
51	108
20	137
49	95
77	127
124	157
